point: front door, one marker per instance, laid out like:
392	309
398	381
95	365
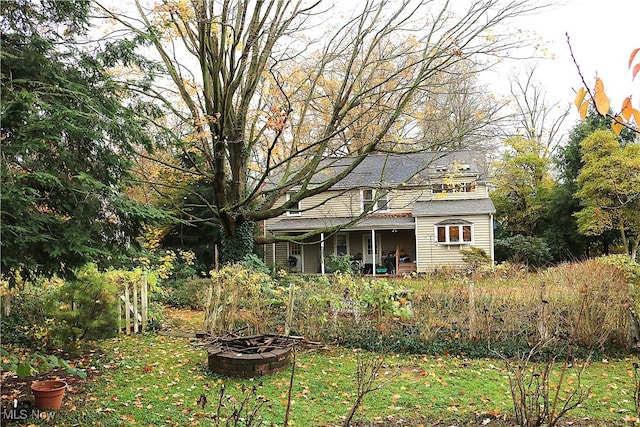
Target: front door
295	257
367	256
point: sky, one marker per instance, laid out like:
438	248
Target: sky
603	33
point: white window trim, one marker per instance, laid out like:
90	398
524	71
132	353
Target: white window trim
460	231
458	187
293	213
335	243
300	256
376	207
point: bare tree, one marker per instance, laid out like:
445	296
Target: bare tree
245	125
535	118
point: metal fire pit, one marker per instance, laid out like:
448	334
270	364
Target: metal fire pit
251	356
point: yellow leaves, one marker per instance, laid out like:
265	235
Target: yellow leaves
602	103
581	104
617	125
627	109
579	99
600	98
636	116
627	112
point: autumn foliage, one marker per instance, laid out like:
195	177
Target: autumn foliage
626	117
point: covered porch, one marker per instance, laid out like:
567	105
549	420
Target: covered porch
376	245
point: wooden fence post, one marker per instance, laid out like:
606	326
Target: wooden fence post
136	323
289	321
119	315
472	311
145	301
134	305
211	308
127	312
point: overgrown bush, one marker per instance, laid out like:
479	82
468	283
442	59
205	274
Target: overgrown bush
507	309
84	308
253	262
184	293
237	297
338	264
510	311
27	325
593	306
177	271
475	257
518	249
383	298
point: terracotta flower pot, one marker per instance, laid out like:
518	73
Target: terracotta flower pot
48	394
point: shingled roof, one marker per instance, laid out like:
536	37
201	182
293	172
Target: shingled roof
308	224
453	207
393	170
407	169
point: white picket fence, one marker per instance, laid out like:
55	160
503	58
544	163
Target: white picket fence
133	307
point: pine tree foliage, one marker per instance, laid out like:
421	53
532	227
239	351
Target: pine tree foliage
66	146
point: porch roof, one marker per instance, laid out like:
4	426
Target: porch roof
454	207
368	223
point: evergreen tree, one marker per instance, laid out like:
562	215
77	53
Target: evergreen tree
561	229
66	146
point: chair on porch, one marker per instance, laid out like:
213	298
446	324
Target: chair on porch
293	262
390	264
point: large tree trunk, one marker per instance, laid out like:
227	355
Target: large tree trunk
236	247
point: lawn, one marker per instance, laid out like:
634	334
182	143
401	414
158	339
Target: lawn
159	379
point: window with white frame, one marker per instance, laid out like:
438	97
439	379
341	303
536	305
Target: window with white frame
463	187
294	249
375	200
454	232
342	246
295	209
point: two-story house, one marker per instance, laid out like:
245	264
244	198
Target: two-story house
399	213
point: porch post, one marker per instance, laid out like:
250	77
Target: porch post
373	250
273	251
491	237
274	255
322	253
415	236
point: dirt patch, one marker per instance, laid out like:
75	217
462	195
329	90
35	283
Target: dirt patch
183	320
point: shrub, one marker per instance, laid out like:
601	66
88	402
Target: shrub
532	251
84	308
27	325
183	293
338	264
36	364
592	309
238	297
475	257
383	298
253	262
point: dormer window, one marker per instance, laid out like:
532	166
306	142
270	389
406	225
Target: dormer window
464	167
441	168
461	187
375	200
295	209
